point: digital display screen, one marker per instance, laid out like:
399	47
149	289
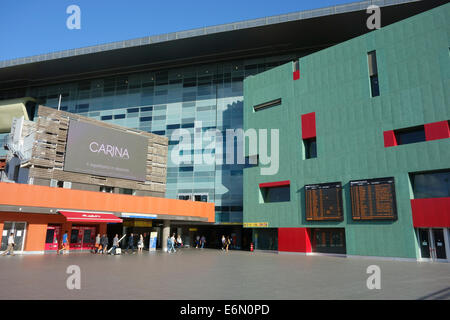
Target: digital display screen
324	201
373	199
105	152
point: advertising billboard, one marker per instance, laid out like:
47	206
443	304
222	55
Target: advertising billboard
105	152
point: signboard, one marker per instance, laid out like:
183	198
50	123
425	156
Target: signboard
152	244
256	224
137	223
324	202
107	152
373	199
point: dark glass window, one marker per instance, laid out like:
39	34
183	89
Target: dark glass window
119	116
186	169
433	184
146	109
142	119
161	133
173	126
410	135
374	86
310	148
106	117
133	110
276	194
201	197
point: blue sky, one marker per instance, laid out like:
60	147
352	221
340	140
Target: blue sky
31	27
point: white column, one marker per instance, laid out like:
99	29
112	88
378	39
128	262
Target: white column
165	234
447	243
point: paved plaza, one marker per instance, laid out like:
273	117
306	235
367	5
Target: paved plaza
212	274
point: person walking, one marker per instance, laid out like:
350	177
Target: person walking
97	243
223	242
179	241
172	244
65	244
202	242
197	241
115	244
131	243
10	248
140	243
227	243
104	241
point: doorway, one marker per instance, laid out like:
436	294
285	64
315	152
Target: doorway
52	237
82	238
433	244
19	229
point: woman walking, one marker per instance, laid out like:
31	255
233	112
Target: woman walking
140	243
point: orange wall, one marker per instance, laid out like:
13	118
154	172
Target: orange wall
36	227
40	196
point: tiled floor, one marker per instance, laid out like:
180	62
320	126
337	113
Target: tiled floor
213	274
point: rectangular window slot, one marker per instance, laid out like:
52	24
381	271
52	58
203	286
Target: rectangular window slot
310	148
430	184
410	135
275	191
268	104
373	73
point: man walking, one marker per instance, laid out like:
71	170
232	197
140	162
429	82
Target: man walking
131	243
65	244
10	247
104	241
115	244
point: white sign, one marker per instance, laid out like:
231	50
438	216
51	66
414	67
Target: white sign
5	233
19	233
152	244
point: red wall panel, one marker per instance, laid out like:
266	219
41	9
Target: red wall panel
389	139
296	74
294	240
437	130
432	212
309	125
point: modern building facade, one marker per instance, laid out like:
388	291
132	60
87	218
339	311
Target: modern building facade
364	146
168	82
69	173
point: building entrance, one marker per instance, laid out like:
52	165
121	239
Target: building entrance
434	243
19	230
52	237
82	238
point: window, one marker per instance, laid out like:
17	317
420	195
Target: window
410	135
373	73
184	197
276	191
266	105
310	148
432	184
126	191
201	197
106	189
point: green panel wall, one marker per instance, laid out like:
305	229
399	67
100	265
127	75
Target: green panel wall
414	76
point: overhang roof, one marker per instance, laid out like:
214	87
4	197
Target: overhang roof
299	32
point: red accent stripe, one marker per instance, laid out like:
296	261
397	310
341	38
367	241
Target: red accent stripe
296	74
275	184
431	212
389	139
309	125
90	217
437	130
294	240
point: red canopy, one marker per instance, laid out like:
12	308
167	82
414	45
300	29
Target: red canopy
79	216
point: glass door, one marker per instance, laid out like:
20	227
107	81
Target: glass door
19	230
425	247
439	244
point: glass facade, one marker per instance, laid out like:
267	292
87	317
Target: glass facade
431	184
164	101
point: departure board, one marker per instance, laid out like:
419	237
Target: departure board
324	201
373	199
